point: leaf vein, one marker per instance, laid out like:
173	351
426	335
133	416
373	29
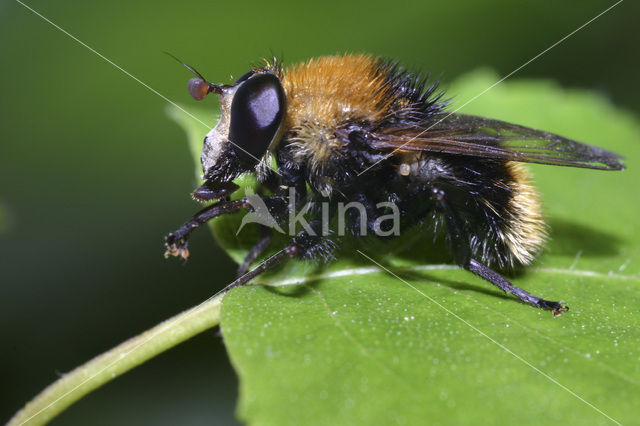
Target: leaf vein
435	267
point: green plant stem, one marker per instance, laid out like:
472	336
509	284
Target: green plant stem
124	357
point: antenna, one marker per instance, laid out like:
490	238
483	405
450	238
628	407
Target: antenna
210	86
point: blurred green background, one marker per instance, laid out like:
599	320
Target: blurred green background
93	173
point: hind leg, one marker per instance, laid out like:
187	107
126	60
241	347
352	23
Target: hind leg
462	252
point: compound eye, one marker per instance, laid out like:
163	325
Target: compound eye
256	113
244	77
198	88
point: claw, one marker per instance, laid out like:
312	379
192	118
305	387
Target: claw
556	308
182	252
178	250
559	310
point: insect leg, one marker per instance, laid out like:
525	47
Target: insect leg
462	253
267	236
302	245
176	242
494	278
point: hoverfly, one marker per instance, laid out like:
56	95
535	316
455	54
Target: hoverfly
356	127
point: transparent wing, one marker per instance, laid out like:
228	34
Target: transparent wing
483	137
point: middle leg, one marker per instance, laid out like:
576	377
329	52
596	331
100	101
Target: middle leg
302	246
261	246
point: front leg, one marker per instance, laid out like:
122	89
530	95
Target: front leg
176	242
462	252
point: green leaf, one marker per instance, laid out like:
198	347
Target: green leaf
350	344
